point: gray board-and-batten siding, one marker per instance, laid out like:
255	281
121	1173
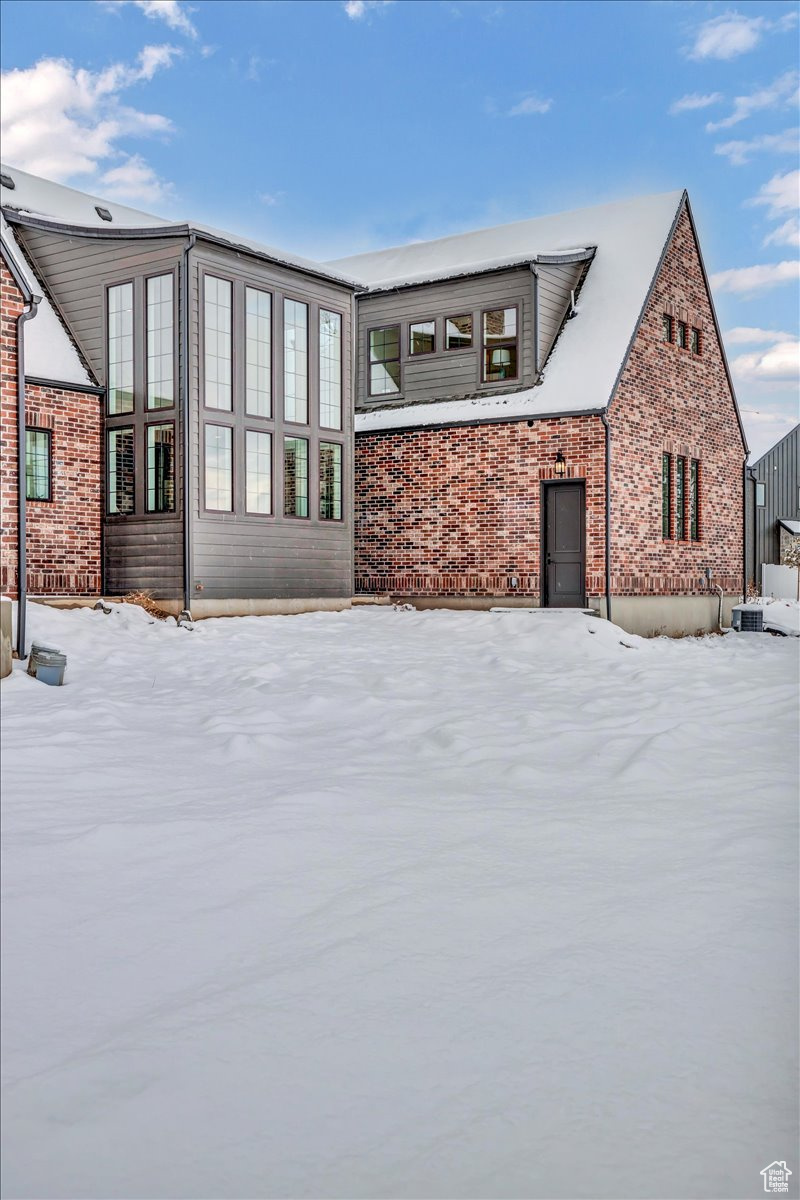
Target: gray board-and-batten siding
779	471
233	556
454	373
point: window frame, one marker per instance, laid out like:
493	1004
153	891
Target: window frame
761	490
160	512
249	512
309	306
327	442
398	325
680	498
670	340
205	275
297	516
682	335
516	342
175	321
321	308
694	526
695	337
48	499
220	512
112	429
411	326
457	316
667	526
128	281
248	285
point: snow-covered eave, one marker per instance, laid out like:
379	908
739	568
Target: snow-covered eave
473	410
488	267
184	229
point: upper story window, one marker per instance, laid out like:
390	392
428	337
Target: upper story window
295	361
120	348
422	337
258	352
458	332
683	335
217	340
666	495
384	361
695	341
38	460
680	498
761	495
330	369
499	344
160	343
667	327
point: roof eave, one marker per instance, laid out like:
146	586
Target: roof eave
513	264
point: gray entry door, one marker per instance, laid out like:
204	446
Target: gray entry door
564	546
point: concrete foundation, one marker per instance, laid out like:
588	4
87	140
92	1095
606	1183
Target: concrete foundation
215	608
5	637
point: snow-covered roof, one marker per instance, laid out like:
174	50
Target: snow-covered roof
629	236
790	526
49	350
33	197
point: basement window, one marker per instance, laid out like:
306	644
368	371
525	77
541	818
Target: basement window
38	464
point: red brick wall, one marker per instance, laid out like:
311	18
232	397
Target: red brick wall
455	512
671	400
63	534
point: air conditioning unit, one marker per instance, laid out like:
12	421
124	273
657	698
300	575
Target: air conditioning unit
748	618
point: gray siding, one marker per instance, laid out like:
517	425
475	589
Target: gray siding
454	373
236	555
779	471
142	551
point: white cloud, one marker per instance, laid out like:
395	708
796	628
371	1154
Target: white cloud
732	34
751	335
134	181
60	121
787	234
781	92
777	364
171	12
530	106
748	280
270	198
694	100
739	153
358	9
781	194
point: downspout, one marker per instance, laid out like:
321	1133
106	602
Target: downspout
187	429
535	275
604	419
353	402
22	557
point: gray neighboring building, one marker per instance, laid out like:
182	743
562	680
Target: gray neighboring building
772	509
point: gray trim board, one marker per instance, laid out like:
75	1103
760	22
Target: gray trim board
92	389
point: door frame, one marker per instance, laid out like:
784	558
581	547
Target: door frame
546	486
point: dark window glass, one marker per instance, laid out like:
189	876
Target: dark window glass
761	495
666	488
694	500
667	319
121	471
330	481
295	477
160	343
120	348
422	337
458	332
695	341
384	361
680	499
160	468
682	335
258	471
500	344
219	468
37	464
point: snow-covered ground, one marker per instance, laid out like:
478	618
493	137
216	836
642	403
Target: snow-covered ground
397	904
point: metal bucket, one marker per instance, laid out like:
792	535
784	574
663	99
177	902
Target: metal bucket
48	665
38	648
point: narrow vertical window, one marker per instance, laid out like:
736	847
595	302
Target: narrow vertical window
680	499
160	343
258	352
217	341
37	464
330	369
666	489
330	481
696	341
500	344
761	495
384	361
667	327
121	496
219	468
160	468
682	335
295	477
694	500
258	472
295	361
120	349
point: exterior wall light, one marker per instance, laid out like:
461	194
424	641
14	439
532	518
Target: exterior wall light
559	470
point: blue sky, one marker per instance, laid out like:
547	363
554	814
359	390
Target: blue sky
329	128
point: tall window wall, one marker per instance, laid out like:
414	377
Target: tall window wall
272	441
